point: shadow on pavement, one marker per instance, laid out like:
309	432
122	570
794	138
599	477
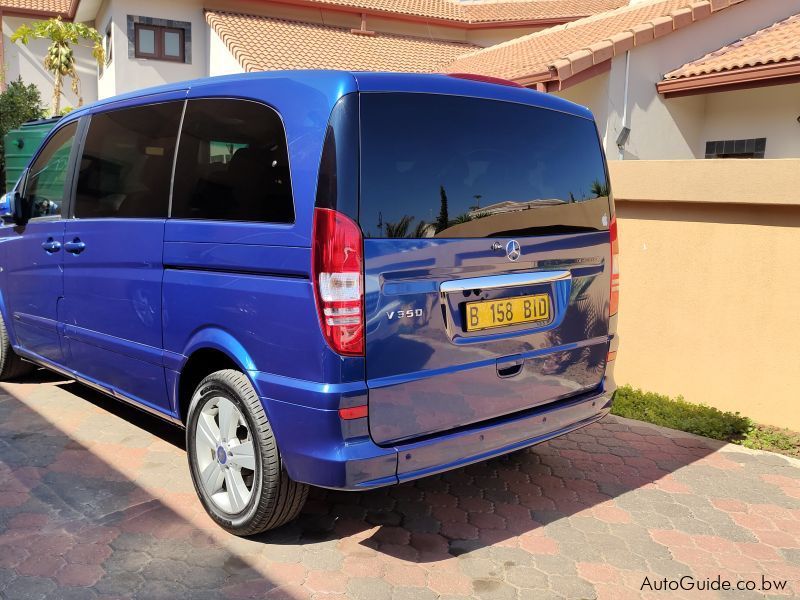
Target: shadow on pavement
73	526
485	504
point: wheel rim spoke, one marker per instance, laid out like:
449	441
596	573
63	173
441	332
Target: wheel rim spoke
243	456
228	418
207	432
238	494
212	477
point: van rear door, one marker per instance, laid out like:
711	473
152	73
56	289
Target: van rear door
487	259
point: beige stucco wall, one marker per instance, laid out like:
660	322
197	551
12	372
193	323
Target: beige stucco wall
709	298
26	61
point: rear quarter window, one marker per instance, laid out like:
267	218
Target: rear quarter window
445	166
233	164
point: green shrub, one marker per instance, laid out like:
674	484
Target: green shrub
18	103
677	413
764	437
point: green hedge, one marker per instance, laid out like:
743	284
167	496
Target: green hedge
677	413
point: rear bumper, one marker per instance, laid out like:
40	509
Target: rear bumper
317	449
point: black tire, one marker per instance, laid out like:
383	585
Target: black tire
11	365
276	499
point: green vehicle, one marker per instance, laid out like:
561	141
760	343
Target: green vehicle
21	144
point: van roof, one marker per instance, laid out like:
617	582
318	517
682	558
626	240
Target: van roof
344	82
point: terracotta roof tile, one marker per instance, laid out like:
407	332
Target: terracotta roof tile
299	45
482	11
561	52
531	11
777	43
61	7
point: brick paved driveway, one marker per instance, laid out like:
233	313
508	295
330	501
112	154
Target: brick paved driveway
96	502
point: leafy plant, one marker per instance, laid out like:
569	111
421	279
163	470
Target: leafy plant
60	58
400	228
677	413
18	103
599	189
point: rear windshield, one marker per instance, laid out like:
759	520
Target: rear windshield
446	166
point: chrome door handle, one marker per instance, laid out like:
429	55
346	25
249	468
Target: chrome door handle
76	246
51	246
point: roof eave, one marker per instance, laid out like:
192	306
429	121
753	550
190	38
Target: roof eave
40	14
750	77
444	21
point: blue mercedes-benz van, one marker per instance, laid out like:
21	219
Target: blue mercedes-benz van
336	279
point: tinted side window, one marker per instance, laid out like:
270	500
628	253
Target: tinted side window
337	186
232	164
48	174
127	162
445	166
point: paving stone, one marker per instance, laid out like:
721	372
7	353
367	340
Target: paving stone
368	588
67	593
493	589
570	518
478	568
527	577
571	587
30	588
413	593
166	590
324	559
119	584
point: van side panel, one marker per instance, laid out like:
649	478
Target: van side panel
250	279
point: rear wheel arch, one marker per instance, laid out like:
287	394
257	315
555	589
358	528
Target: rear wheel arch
201	363
209	350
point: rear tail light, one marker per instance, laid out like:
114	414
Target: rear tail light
338	259
613	303
612	355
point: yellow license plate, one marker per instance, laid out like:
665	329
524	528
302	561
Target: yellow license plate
508	311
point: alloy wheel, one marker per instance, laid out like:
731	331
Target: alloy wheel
225	455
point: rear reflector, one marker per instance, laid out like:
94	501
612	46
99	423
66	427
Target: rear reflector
354	412
338	259
613	303
611	356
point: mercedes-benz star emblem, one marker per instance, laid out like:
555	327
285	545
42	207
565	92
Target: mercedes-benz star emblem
513	250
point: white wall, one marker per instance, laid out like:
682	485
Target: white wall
770	112
106	81
131	73
26	61
593	94
220	60
675	128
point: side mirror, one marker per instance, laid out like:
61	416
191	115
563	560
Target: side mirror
13	206
20	212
